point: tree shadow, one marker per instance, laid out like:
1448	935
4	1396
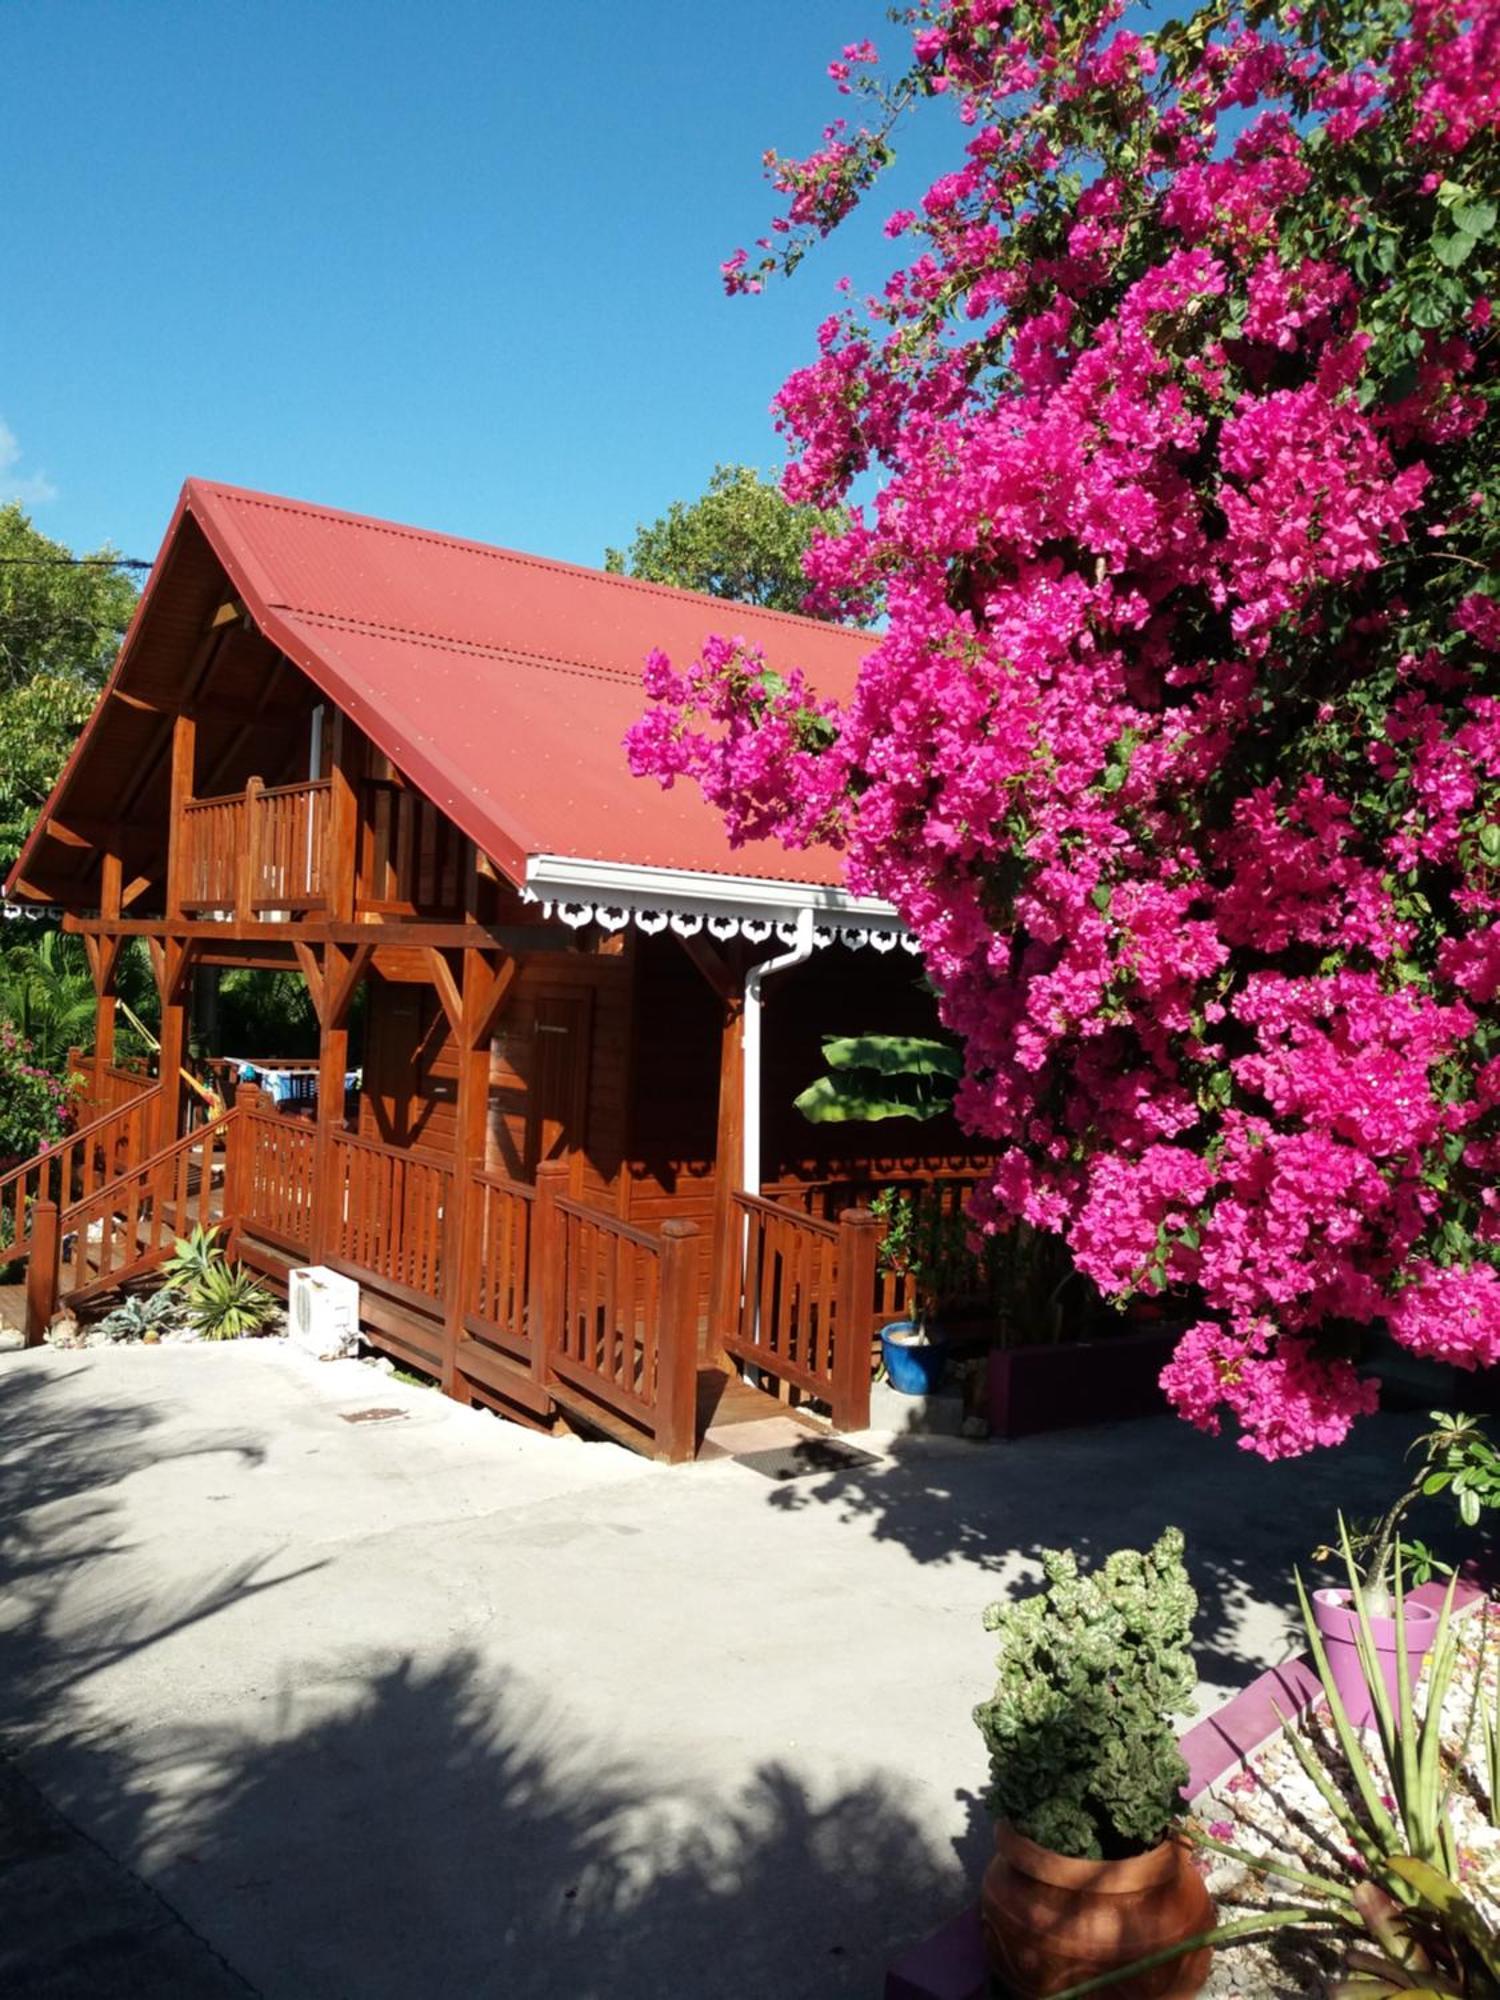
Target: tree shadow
995	1506
444	1828
396	1826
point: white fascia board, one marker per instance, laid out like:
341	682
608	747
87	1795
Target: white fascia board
627	885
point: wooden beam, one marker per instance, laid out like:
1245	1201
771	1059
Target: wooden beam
77	830
135	889
449	996
232	613
488	1002
415	932
138	702
312	972
343	969
713	965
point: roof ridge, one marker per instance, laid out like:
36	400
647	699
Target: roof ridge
444	639
246	496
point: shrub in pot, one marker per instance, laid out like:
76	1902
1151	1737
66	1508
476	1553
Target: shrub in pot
1089	1875
1456	1458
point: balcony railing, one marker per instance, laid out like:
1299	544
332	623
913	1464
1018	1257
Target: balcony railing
257	853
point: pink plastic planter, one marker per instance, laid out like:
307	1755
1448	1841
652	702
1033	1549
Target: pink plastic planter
1338	1623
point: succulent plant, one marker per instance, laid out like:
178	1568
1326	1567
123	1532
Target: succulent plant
1093	1675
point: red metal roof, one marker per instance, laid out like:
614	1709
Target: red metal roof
503	684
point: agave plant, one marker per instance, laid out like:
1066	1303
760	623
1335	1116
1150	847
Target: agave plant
1409	1928
227	1303
193	1257
142	1313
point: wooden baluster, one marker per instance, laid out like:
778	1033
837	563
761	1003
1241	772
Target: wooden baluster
545	1303
42	1272
859	1236
677	1342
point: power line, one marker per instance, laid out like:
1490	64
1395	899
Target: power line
75	562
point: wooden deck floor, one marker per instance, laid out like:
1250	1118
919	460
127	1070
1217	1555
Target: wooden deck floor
736	1419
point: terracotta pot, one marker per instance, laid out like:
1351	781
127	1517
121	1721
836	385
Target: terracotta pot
1051	1922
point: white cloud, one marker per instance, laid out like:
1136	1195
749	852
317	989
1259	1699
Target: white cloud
32	489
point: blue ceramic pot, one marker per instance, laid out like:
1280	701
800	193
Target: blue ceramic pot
915	1369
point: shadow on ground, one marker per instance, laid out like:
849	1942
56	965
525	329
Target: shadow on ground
1248	1524
398	1829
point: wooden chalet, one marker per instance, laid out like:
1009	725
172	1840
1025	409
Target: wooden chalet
571	1183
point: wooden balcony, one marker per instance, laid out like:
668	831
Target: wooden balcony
258	853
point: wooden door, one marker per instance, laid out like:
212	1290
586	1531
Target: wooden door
557	1100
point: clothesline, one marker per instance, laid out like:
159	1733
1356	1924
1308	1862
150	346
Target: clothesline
288	1084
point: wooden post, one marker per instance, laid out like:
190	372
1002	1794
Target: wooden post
42	1272
249	873
174	984
184	752
236	1196
333	1066
677	1343
728	1246
342	833
105	961
545	1306
854	1308
461	1240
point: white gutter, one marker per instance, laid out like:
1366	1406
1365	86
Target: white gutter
799	954
557	878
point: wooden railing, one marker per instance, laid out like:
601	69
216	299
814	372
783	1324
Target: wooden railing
498	1264
800	1310
77	1164
212	832
617	1314
412	858
108	1087
289	860
256	851
130	1223
273	1179
388	1216
938	1202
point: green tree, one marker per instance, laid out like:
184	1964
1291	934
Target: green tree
740	539
61	622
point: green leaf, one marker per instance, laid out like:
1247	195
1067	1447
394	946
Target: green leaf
1474	218
1451	251
893	1055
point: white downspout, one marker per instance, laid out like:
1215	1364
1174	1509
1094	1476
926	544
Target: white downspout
799	954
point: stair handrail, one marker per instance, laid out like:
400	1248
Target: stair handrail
81	1135
110	1190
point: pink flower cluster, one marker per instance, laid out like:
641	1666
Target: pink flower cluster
1175	748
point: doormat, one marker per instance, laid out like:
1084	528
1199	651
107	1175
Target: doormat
808	1455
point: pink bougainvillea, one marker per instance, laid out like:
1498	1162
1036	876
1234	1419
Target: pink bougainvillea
1178	747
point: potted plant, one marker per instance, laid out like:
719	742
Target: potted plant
1389	1894
1089	1873
1456	1457
915	1356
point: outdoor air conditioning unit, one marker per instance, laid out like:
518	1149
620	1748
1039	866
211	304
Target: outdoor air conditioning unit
323	1312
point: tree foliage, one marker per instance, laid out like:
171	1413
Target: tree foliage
61	623
740	539
1180	752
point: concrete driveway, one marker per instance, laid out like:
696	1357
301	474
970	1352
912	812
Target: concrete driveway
421	1704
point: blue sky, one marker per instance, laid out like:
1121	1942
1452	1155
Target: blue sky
454	263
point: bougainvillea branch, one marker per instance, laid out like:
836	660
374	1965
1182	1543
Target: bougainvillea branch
1179	749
